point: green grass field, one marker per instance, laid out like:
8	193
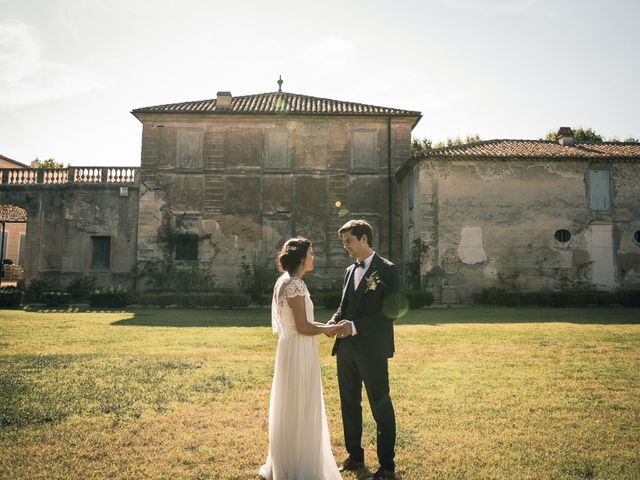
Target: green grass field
183	394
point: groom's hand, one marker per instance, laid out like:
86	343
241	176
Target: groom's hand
345	329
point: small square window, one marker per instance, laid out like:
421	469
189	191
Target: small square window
187	247
100	252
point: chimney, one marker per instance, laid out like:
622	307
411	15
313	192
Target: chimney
565	137
224	100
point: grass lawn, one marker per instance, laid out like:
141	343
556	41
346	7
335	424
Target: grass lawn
482	393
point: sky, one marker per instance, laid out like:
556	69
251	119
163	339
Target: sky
71	71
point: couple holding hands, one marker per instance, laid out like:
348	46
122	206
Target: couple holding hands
299	442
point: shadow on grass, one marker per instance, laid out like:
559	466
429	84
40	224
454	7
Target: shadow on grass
197	318
436	316
471	315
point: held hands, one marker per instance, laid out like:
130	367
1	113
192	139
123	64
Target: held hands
342	329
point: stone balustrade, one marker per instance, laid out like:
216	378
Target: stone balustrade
58	176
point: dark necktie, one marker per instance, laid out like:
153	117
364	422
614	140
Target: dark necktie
359	264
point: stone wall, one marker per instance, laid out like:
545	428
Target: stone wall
493	223
62	219
244	183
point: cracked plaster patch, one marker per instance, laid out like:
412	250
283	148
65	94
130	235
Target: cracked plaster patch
470	249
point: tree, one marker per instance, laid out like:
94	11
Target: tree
626	140
579	135
588	135
48	163
456	142
419	146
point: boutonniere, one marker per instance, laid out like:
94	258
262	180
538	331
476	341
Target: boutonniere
373	281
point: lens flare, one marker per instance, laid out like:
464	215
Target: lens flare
396	307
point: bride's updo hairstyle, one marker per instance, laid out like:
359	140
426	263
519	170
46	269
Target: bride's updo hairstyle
293	253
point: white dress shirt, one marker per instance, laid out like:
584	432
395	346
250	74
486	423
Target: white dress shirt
357	278
360	271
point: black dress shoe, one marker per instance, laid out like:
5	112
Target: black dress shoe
384	474
350	465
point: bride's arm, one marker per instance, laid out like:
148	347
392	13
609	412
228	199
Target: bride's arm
300	316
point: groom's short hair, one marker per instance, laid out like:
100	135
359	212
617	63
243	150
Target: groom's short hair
357	228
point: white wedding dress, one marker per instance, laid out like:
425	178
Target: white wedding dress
299	444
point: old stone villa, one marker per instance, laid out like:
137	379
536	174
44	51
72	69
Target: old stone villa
228	179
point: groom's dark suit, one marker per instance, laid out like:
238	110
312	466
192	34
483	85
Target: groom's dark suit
363	358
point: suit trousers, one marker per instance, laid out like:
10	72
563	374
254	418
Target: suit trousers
355	368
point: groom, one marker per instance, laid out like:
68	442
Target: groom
364	344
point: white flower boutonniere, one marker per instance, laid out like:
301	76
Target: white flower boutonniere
373	281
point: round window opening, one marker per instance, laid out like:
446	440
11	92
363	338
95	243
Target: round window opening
636	237
562	235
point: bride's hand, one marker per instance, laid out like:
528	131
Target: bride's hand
328	329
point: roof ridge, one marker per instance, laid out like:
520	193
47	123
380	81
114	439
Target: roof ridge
295	103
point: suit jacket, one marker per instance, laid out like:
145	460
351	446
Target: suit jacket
372	308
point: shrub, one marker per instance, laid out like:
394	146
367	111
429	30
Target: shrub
166	275
419	250
490	296
156	299
81	287
234	300
110	297
10	297
37	286
257	280
55	299
628	298
190	300
498	296
419	298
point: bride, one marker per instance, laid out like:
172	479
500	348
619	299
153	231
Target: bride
299	444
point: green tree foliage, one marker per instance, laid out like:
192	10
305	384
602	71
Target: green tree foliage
456	142
626	140
588	135
48	163
419	146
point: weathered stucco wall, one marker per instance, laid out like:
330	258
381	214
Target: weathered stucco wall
492	223
247	182
61	221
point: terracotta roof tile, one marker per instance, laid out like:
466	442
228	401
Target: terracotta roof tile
15	162
277	103
528	150
538	149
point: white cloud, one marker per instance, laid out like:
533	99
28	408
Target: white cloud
19	52
494	6
329	54
25	77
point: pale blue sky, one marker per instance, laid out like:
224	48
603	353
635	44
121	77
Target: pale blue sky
72	70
